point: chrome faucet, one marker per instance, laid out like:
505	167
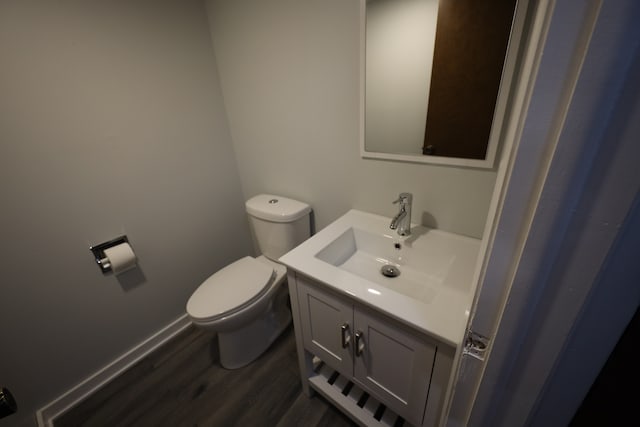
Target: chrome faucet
402	221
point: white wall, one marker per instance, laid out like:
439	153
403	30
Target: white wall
401	36
289	72
111	121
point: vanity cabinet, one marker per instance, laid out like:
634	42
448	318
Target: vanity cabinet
386	359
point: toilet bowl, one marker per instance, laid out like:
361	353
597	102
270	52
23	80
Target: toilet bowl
249	314
246	302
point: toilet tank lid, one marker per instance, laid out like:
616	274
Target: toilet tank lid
276	208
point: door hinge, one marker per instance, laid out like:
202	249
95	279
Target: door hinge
475	345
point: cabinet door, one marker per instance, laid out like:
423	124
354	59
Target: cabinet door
394	363
327	327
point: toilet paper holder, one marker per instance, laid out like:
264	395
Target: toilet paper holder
101	258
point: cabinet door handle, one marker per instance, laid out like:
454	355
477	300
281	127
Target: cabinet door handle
345	335
359	343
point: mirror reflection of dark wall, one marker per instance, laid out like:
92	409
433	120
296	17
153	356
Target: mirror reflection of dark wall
470	47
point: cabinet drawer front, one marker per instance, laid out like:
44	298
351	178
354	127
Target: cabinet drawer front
395	364
327	324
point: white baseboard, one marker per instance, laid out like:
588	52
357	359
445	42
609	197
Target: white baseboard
48	413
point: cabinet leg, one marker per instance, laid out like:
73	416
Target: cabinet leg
305	360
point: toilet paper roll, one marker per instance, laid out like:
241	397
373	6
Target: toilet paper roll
121	258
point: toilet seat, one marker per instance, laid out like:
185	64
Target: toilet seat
231	289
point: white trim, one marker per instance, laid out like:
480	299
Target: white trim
434	160
46	415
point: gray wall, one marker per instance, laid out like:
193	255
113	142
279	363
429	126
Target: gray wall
111	121
289	71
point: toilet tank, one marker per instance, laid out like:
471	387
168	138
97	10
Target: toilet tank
278	224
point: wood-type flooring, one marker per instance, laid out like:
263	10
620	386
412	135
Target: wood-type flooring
182	384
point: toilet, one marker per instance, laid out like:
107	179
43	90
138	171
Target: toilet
246	302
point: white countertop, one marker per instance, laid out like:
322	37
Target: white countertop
447	262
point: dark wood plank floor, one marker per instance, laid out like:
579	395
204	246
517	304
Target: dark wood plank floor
182	384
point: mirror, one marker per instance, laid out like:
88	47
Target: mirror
434	79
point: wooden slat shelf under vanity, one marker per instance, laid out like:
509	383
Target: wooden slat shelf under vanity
343	393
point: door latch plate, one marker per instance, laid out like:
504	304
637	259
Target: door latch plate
475	345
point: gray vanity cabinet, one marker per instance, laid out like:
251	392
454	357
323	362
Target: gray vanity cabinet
394	365
386	359
327	325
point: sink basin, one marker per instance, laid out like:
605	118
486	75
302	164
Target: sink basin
433	270
365	254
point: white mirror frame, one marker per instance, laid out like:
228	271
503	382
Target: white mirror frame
506	81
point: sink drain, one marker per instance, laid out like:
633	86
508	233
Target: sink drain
390	271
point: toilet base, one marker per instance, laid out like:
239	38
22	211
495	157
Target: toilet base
242	346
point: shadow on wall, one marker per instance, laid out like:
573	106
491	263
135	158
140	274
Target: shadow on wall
131	279
428	220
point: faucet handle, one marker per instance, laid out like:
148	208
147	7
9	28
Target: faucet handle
403	198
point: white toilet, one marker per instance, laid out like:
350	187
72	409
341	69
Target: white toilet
246	301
